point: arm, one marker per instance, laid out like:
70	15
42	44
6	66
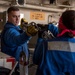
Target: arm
43	32
53	29
12	37
40	46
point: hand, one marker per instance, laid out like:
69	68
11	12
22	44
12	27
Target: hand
32	29
23	24
42	29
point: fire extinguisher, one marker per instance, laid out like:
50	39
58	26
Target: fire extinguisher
23	63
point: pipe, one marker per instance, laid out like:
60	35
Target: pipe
41	8
49	19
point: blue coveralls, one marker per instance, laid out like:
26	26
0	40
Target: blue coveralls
55	56
14	40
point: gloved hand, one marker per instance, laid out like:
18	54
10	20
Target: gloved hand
32	29
44	32
23	24
42	28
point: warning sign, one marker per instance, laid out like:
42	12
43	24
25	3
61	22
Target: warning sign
37	16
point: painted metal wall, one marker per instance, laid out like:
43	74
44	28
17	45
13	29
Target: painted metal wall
37	16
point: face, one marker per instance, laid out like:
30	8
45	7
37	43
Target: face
14	17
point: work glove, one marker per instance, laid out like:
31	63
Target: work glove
44	32
42	28
23	24
32	29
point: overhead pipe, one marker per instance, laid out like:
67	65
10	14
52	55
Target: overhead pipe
41	8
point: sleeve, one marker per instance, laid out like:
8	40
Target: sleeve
53	29
38	52
12	37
